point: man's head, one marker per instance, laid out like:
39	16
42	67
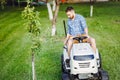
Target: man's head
70	12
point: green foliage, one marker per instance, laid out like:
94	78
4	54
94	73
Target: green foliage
33	25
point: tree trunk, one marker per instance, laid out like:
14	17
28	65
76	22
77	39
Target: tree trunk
91	7
13	3
55	18
19	3
54	5
91	10
33	66
50	11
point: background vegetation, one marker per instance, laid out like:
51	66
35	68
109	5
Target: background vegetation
15	55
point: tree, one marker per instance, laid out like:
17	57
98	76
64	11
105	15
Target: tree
32	23
53	17
91	7
2	3
50	11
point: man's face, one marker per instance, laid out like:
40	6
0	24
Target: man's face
70	14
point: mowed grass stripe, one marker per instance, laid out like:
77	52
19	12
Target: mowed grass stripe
13	42
16	56
17	68
10	23
11	34
13	48
110	61
8	17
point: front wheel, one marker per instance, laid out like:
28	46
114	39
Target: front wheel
71	77
65	76
104	75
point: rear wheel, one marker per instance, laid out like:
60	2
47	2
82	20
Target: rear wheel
100	60
62	60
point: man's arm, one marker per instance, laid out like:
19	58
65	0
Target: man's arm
67	38
86	31
68	34
84	25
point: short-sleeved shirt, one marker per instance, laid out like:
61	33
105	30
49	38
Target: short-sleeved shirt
76	26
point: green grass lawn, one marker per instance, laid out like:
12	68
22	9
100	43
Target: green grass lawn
15	54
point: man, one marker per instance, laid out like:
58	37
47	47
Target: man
76	27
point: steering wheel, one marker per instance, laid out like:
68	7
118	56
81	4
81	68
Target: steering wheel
80	39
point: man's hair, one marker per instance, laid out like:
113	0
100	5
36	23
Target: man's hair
70	8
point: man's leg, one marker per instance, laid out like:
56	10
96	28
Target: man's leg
70	43
93	43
